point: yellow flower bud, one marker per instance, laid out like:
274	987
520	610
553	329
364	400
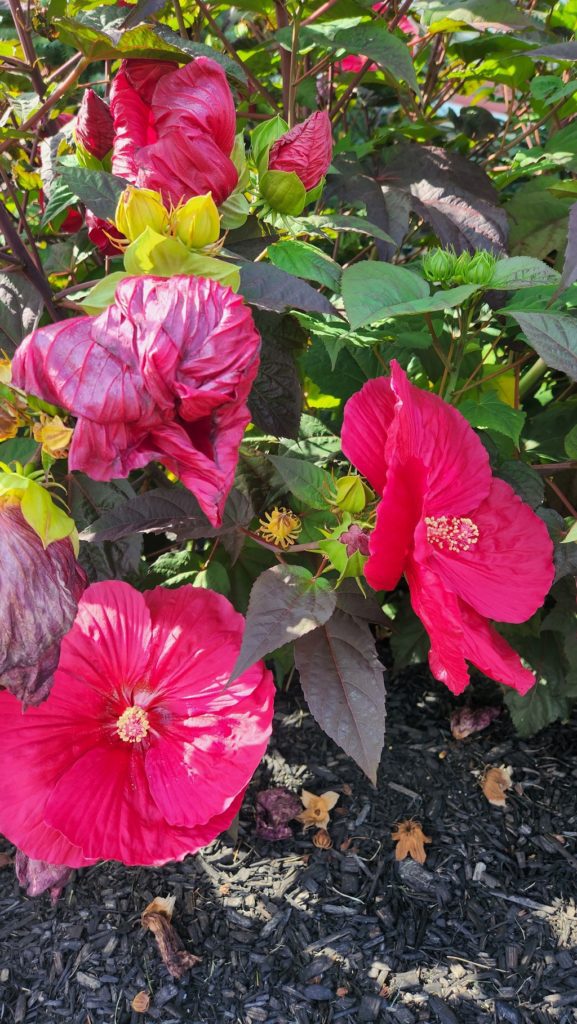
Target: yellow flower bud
138	209
197	222
53	435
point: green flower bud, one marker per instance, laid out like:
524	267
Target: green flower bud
439	265
138	209
481	268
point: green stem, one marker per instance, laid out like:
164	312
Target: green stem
532	377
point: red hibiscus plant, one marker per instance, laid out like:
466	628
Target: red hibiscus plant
289	357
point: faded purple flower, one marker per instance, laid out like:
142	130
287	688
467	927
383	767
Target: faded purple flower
274	809
356	539
36	876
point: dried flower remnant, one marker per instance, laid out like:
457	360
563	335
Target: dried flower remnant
53	435
157	917
466	721
322	839
410	840
274	809
495	783
356	539
280	527
141	1002
317	809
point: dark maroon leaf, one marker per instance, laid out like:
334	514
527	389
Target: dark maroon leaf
557	51
90	498
569	274
554	338
20	308
450	193
356	189
350	599
285	602
168	508
342	680
268	287
276	398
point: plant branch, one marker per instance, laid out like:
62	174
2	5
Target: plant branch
51	101
27	45
282	21
180	20
34	274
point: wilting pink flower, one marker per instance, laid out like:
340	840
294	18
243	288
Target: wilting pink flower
142	753
306	149
39	592
466	721
174	128
469	547
163	373
94	128
36	876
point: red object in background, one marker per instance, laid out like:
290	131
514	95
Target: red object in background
94	127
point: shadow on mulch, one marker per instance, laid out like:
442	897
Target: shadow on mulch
289	934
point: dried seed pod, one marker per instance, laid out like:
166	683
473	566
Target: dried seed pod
141	1002
322	839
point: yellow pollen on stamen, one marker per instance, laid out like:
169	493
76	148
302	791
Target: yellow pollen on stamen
452	533
280	527
133	725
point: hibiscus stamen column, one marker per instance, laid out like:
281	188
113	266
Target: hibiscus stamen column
456	533
133	724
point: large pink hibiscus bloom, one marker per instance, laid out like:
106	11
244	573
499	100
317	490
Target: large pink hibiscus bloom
142	753
163	373
174	128
468	546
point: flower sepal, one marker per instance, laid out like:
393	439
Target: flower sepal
283	191
48	521
263	137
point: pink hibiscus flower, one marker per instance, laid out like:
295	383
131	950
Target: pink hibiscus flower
174	128
306	149
142	753
163	373
468	546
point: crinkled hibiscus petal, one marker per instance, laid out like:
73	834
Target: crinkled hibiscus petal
196	97
39	592
182	166
130	99
366	424
487	649
94	128
306	149
428	429
143	375
507	574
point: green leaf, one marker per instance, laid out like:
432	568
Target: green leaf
554	338
342	681
315	441
285	603
304	260
410	643
262	138
309	484
98	190
18	449
323	224
521	272
525	481
492	414
61	197
552	696
375	40
283	191
369	289
571	443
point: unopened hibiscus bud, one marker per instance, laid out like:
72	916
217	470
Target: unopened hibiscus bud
138	209
481	268
53	435
351	494
36	876
94	129
197	223
306	149
439	265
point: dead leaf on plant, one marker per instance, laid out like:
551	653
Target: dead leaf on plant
410	840
157	918
141	1002
495	783
316	809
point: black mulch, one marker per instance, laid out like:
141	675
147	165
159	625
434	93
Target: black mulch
290	934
